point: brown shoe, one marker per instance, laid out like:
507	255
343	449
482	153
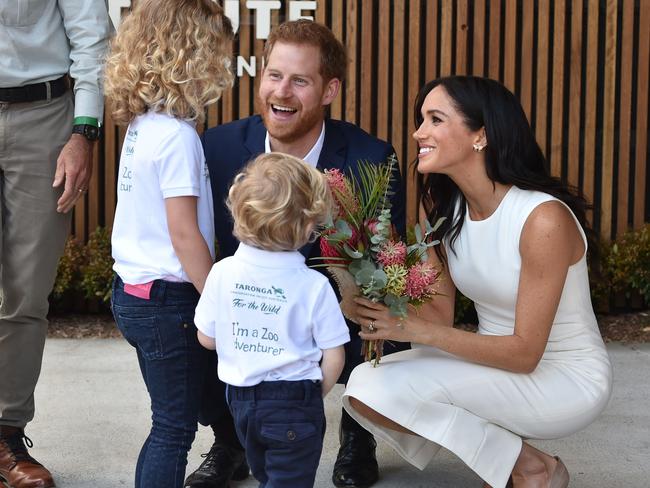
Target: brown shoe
17	468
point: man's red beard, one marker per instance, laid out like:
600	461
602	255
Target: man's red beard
287	132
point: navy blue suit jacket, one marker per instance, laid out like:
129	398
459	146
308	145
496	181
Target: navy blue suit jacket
230	146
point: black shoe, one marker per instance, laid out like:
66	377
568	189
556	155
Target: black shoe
356	464
221	465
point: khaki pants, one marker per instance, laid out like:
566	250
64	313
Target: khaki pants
31	241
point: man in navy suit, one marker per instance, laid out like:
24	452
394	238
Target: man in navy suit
305	65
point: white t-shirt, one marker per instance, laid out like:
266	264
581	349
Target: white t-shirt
161	158
270	316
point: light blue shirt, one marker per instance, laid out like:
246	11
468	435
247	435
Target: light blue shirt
42	40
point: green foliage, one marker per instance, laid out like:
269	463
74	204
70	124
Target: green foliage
422	241
86	269
625	265
68	273
464	312
599	281
97	270
373	186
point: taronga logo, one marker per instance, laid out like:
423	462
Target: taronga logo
273	291
279	292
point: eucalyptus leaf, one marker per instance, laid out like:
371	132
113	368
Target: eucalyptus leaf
397	305
390	299
398	309
364	277
338	237
380	278
343	228
355	266
418	233
361	264
353	253
411	248
439	223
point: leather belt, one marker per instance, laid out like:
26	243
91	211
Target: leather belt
35	92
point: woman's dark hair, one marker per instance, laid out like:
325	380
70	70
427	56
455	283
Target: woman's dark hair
512	155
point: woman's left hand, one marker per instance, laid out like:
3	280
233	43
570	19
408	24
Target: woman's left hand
377	322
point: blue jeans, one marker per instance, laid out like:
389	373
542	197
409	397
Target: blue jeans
281	425
173	365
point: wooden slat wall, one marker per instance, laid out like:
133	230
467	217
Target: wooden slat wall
575	89
625	115
641	154
590	102
581	69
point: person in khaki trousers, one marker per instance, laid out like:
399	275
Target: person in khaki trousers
46	137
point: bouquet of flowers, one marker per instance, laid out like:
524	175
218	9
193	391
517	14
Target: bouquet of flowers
364	254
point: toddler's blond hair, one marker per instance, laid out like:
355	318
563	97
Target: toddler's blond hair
277	201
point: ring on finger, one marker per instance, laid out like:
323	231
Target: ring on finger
81	190
400	325
371	326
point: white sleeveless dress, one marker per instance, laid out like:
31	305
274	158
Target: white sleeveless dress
478	412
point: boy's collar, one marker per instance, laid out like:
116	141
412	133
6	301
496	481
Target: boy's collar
269	259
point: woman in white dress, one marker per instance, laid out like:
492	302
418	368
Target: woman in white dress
513	242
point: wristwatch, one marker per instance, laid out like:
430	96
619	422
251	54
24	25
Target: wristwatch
90	132
87	127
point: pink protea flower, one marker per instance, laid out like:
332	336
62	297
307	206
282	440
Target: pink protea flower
392	253
421	280
328	250
334	249
371	225
345	199
335	180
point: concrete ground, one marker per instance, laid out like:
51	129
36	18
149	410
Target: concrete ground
93	415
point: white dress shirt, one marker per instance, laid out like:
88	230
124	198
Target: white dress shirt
42	40
313	154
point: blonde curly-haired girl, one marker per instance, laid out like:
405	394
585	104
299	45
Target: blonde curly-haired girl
169	60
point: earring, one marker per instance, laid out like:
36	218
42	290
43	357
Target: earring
477	147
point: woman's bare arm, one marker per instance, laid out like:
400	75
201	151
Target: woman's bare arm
549	244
